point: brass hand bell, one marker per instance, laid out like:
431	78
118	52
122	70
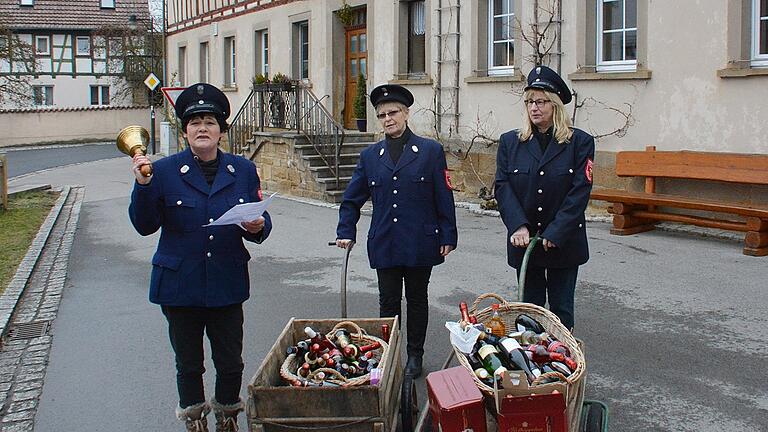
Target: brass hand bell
133	140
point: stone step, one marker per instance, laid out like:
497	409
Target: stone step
332	181
344	159
324	171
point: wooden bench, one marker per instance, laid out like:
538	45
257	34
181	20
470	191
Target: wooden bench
3	182
635	212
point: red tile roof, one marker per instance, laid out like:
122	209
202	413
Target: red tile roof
69	14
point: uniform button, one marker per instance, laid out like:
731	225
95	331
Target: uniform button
210	220
570	170
178	202
394	191
422	179
210	237
208	254
394	178
541	172
394	220
242	200
539	208
373	183
538	224
436	231
515	170
394	205
540	191
580	225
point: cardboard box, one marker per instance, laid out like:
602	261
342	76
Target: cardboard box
539	410
455	402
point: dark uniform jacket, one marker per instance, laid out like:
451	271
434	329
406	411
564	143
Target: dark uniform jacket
196	265
547	192
413	209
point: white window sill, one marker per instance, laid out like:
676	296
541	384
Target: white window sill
742	72
513	77
585	74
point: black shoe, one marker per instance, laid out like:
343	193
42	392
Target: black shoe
413	366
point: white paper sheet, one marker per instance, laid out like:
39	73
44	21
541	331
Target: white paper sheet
242	213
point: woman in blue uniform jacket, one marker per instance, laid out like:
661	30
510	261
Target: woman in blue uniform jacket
413	226
543	182
200	274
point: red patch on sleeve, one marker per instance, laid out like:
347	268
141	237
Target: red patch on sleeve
588	170
258	192
448	179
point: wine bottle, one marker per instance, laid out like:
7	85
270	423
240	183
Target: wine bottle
516	358
559	347
464	314
528	337
525	322
489	357
319	339
496	324
562	368
385	332
371	346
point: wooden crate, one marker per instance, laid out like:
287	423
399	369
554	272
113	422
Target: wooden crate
274	407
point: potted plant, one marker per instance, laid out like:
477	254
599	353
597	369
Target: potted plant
277	104
358	105
345	14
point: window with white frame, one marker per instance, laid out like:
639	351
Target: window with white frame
182	75
43	45
99	95
204	62
417	37
109	4
303	50
230	62
616	35
760	33
83	45
43	95
501	40
264	53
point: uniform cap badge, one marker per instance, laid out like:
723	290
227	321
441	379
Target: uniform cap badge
200	90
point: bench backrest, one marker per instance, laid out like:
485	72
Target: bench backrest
727	167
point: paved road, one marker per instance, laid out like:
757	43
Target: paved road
25	160
674	324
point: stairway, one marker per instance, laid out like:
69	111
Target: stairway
354	143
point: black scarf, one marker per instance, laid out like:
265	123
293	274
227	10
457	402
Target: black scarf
395	145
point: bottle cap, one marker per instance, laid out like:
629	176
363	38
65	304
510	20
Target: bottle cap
495	306
311	333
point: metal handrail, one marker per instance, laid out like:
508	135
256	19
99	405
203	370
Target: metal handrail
318	125
289	106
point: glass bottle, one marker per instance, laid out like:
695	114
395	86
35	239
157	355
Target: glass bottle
525	322
489	357
516	358
496	324
319	339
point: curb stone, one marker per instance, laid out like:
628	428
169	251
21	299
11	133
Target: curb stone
15	288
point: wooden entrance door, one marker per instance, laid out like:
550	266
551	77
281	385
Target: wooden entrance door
356	63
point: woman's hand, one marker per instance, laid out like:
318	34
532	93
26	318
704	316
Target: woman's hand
445	250
547	244
343	243
255	226
521	237
140	160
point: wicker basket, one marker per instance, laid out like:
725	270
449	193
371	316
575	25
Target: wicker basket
551	323
360	337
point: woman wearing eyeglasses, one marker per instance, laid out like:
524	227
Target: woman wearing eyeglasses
543	182
413	226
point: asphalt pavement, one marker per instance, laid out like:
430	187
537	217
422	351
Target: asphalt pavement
674	324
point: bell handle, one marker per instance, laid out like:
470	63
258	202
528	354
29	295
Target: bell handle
146	170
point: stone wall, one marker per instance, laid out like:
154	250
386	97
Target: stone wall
58	125
281	167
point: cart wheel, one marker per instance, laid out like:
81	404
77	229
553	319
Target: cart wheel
595	418
409	407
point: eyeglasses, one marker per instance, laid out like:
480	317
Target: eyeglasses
382	116
538	102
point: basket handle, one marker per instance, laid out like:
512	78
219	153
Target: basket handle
358	333
482	297
338	376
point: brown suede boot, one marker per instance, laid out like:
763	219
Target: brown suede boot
194	417
226	415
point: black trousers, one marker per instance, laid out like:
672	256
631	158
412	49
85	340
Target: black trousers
224	327
557	285
390	295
